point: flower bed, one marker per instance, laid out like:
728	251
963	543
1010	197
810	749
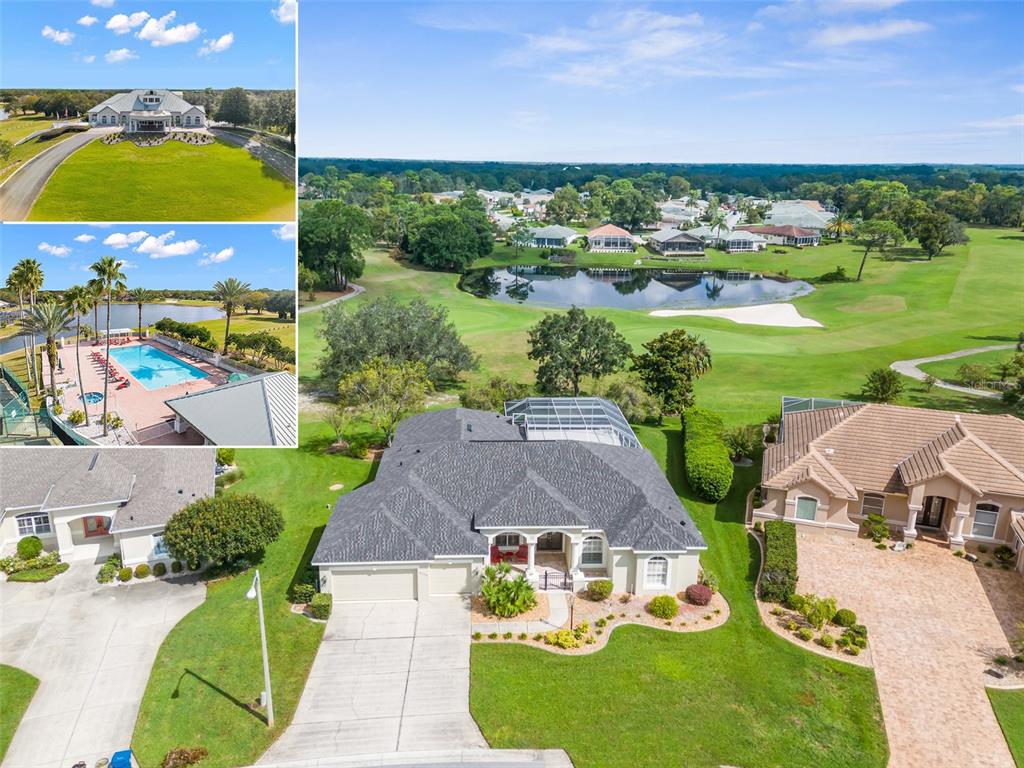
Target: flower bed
480	614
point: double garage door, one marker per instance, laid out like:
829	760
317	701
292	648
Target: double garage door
400	583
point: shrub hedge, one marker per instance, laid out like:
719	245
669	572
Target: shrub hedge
599	590
320	606
706	458
141	571
159	569
663	607
778	580
29	547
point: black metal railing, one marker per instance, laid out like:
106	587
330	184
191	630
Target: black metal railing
556	580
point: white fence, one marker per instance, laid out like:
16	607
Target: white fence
209	356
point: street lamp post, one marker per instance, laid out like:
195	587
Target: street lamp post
256	591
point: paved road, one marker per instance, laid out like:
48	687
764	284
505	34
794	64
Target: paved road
910	368
92	648
19	192
356	290
280	161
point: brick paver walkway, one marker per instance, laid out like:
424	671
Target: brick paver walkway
933	626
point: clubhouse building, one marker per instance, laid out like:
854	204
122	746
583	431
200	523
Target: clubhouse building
153	110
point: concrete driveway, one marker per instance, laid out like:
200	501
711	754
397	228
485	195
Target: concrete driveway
19	192
92	648
934	624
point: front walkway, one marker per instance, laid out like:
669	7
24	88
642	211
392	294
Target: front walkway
92	648
558	616
934	623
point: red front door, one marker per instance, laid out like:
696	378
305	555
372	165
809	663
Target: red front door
95	526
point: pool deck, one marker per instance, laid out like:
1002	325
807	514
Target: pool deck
144	411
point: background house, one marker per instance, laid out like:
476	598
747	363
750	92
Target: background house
610	238
673	242
553	236
147	110
786	234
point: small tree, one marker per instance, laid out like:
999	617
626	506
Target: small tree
972	374
883	385
223	529
876	235
307	281
742	442
929	382
491	396
571	345
636	404
669	367
519	236
817	610
386	392
937	230
505	596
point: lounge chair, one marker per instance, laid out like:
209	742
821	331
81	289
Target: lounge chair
521	554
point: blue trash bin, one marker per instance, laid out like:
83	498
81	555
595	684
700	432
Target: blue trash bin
122	759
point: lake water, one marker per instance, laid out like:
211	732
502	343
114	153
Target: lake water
629	288
127	316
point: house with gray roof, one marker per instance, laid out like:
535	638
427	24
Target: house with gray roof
90	503
147	110
560	488
674	242
553	236
258	411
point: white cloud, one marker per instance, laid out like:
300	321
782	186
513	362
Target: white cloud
846	34
999	123
219	45
103	3
853	6
120	55
162	247
122	240
1017	88
61	37
85	238
122	24
218	257
286	11
158	33
87	21
89	59
54	250
287	231
125	264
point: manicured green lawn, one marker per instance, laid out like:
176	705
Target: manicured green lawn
284	330
208	669
15	362
22	153
17	127
901	309
947	369
1009	709
16	690
170	182
736	695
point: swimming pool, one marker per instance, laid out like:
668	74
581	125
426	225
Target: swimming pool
153	368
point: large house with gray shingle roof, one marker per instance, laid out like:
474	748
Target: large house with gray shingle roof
89	503
149	110
559	487
959	476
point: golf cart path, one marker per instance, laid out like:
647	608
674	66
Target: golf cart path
356	290
910	368
280	161
19	192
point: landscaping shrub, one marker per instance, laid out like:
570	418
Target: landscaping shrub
599	590
706	457
15	565
877	528
125	574
805	634
742	442
223	529
320	606
182	757
504	596
108	571
1002	553
779	578
76	417
478	635
698	594
709	580
228	479
35	575
826	641
303	593
177	567
141	571
818	610
844	618
663	607
29	547
563	638
159	569
225	456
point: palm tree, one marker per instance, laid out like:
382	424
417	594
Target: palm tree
33	275
839	226
78	300
229	293
109	275
26	278
47	319
140	296
95	289
16	282
717	223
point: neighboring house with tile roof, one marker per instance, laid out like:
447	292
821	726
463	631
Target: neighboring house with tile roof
146	110
674	242
553	236
956	475
462	488
610	238
89	503
257	411
785	234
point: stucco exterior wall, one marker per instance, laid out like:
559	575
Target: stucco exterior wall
137	547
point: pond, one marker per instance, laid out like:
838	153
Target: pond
629	288
127	316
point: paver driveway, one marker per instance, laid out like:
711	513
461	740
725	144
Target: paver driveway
92	648
389	676
934	622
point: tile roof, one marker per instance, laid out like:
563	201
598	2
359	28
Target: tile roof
155	482
430	497
608	230
888	448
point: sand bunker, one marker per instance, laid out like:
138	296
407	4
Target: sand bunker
780	315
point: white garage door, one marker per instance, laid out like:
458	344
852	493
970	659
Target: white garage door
347	586
451	579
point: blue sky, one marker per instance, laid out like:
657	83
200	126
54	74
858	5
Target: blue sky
786	81
192	256
142	44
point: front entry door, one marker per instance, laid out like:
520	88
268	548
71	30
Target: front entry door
549	542
931	515
95	526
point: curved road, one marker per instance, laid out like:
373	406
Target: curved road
19	192
910	368
280	161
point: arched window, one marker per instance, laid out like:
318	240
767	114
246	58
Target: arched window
593	551
806	508
985	518
656	573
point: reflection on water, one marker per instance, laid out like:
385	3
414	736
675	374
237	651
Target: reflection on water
629	288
